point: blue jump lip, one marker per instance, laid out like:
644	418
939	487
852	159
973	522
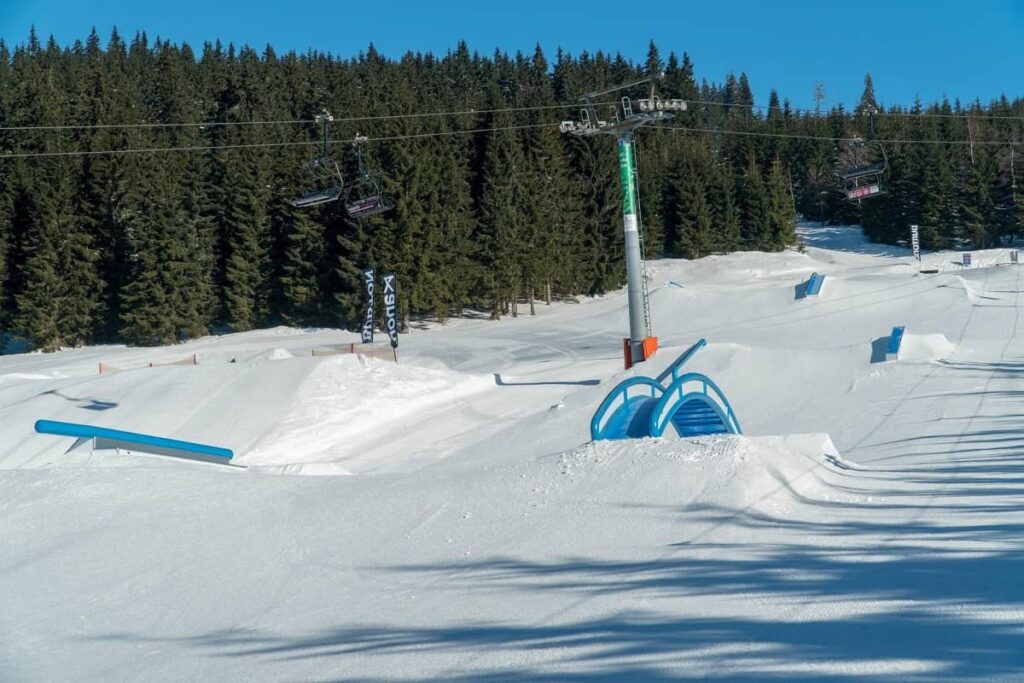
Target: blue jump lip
82	431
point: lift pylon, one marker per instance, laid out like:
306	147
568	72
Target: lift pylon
622	121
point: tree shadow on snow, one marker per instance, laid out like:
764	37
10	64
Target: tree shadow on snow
919	584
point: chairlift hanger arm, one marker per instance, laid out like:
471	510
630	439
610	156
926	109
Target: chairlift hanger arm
631	84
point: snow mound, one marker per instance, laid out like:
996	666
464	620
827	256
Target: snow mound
723	472
348	399
279	354
10	376
925	347
314	469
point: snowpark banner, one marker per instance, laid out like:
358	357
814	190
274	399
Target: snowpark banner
368	277
391	308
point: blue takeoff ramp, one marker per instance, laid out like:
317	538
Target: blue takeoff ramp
640	406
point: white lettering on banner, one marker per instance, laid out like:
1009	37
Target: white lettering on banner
390	301
367	336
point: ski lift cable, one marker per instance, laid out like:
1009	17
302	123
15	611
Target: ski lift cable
413	136
466	112
881	112
308	143
349	119
824	138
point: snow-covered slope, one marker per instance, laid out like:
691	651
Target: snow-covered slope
867	524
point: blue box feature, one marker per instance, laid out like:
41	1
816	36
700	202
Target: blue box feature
814	284
895	339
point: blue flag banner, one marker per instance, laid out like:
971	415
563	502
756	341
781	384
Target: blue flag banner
368	277
391	308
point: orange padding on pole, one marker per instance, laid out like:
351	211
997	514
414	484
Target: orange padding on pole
627	352
650	347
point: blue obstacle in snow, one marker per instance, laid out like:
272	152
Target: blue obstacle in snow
674	369
814	284
673	283
626	412
157	445
695	406
895	340
641	406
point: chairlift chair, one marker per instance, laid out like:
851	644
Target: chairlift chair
364	197
325	180
864	181
325	183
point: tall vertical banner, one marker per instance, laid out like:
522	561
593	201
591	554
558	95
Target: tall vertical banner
915	244
368	277
391	308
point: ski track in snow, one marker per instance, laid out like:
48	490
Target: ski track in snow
458	525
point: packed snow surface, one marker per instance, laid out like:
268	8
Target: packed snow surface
867	526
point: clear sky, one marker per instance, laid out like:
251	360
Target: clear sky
929	48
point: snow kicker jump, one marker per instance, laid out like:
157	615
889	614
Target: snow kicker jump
144	443
642	406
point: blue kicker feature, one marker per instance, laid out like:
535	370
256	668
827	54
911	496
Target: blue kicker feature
145	442
641	406
814	284
895	340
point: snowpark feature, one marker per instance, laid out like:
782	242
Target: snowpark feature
867	525
814	284
103	438
641	406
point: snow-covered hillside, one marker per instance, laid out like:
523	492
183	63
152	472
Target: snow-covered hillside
866	526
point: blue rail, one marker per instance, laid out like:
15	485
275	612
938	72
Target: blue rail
675	396
673	370
617	399
83	431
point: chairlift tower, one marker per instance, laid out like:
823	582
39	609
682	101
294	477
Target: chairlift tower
622	121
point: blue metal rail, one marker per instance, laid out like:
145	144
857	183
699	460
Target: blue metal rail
673	370
146	442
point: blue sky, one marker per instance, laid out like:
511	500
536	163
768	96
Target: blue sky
931	49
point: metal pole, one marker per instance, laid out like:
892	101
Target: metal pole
634	269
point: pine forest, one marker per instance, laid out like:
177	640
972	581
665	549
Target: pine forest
145	186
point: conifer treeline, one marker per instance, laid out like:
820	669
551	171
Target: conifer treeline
493	209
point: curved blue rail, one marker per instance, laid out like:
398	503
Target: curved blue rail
641	406
622	415
695	406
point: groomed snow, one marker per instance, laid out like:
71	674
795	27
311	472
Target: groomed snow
867	526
